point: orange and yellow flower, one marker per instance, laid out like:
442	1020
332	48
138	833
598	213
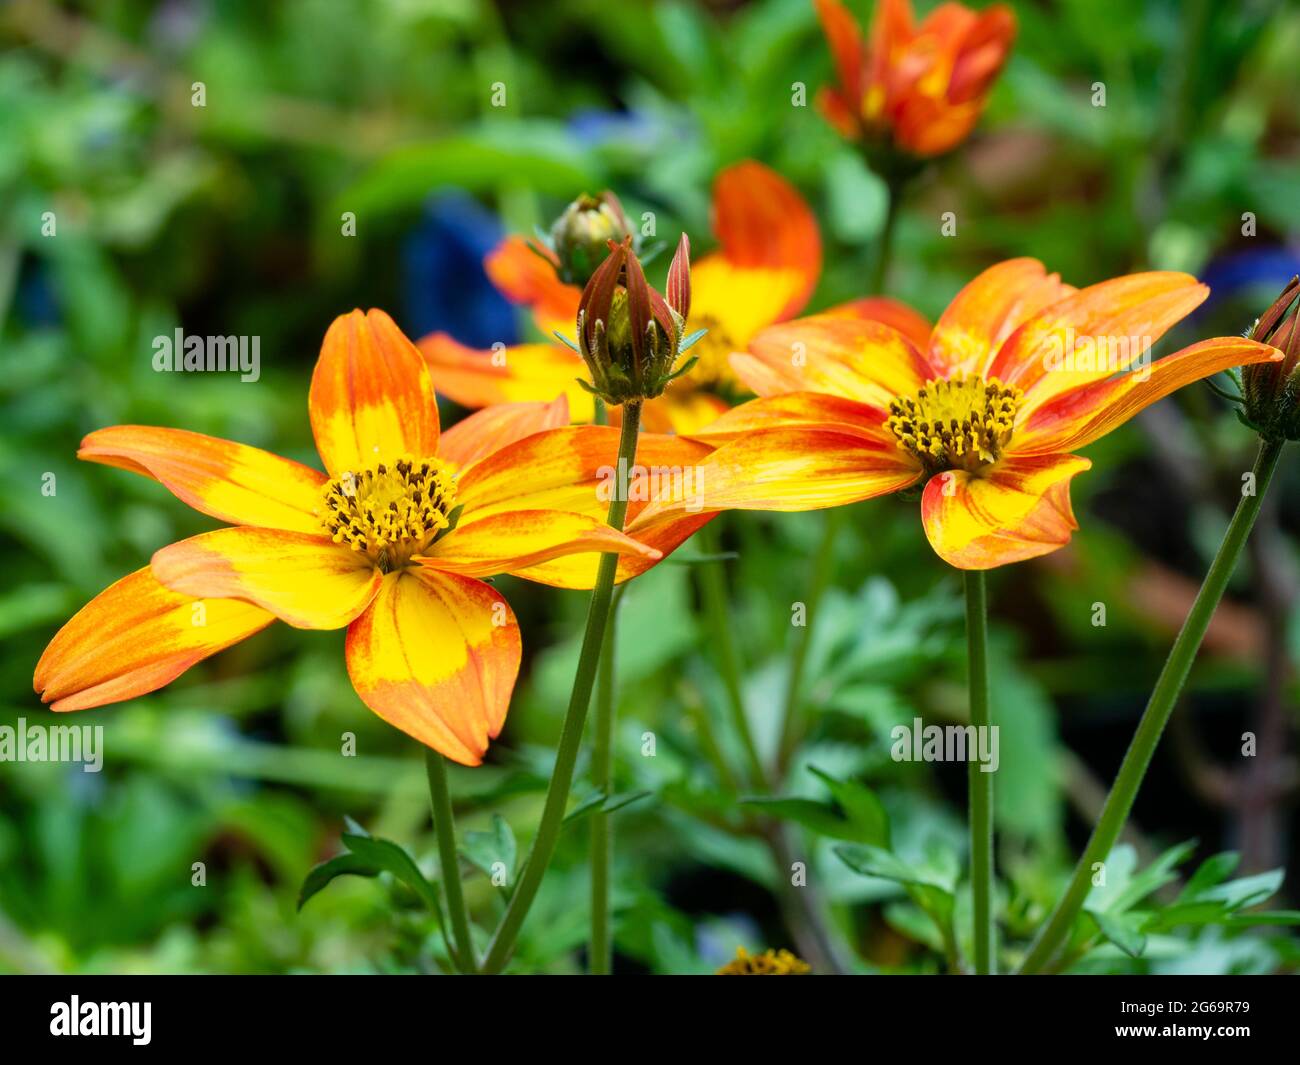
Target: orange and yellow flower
764	271
1020	371
392	542
917	89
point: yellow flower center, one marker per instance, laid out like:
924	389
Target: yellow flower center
769	963
714	352
958	424
391	512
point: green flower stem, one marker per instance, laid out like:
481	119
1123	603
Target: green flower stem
885	242
566	756
600	951
444	825
713	597
823	564
980	783
1163	699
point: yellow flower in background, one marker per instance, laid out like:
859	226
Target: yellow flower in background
391	542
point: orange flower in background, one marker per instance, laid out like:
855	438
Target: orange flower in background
919	89
1019	372
391	543
764	271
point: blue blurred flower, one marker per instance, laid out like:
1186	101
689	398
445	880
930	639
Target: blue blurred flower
1237	272
446	288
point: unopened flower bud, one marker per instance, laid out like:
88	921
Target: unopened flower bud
580	236
629	336
1271	390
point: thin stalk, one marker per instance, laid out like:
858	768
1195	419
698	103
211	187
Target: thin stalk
1163	699
713	597
566	755
699	715
885	242
600	952
980	783
444	826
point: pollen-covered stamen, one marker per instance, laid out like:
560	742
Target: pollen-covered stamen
391	512
958	424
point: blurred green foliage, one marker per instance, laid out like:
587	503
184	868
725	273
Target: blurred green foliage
226	219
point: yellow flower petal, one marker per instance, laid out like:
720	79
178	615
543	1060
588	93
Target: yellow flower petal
791	470
797	410
233	482
517	539
489	430
1076	418
988	310
371	398
854	358
308	581
1087	335
436	656
516	374
135	637
1017	508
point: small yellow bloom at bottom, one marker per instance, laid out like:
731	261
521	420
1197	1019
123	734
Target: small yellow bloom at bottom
769	963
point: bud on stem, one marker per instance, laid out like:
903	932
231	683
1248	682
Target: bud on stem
1271	390
580	236
629	336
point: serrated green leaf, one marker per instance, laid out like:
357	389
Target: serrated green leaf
1242	892
1148	881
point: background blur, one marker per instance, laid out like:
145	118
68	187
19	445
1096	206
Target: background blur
225	219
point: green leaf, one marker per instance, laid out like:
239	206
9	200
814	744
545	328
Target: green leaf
1127	892
861	805
322	875
484	849
623	798
606	803
1266	918
1124	930
386	856
584	807
931	888
1212	871
856	815
1240	893
814	815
